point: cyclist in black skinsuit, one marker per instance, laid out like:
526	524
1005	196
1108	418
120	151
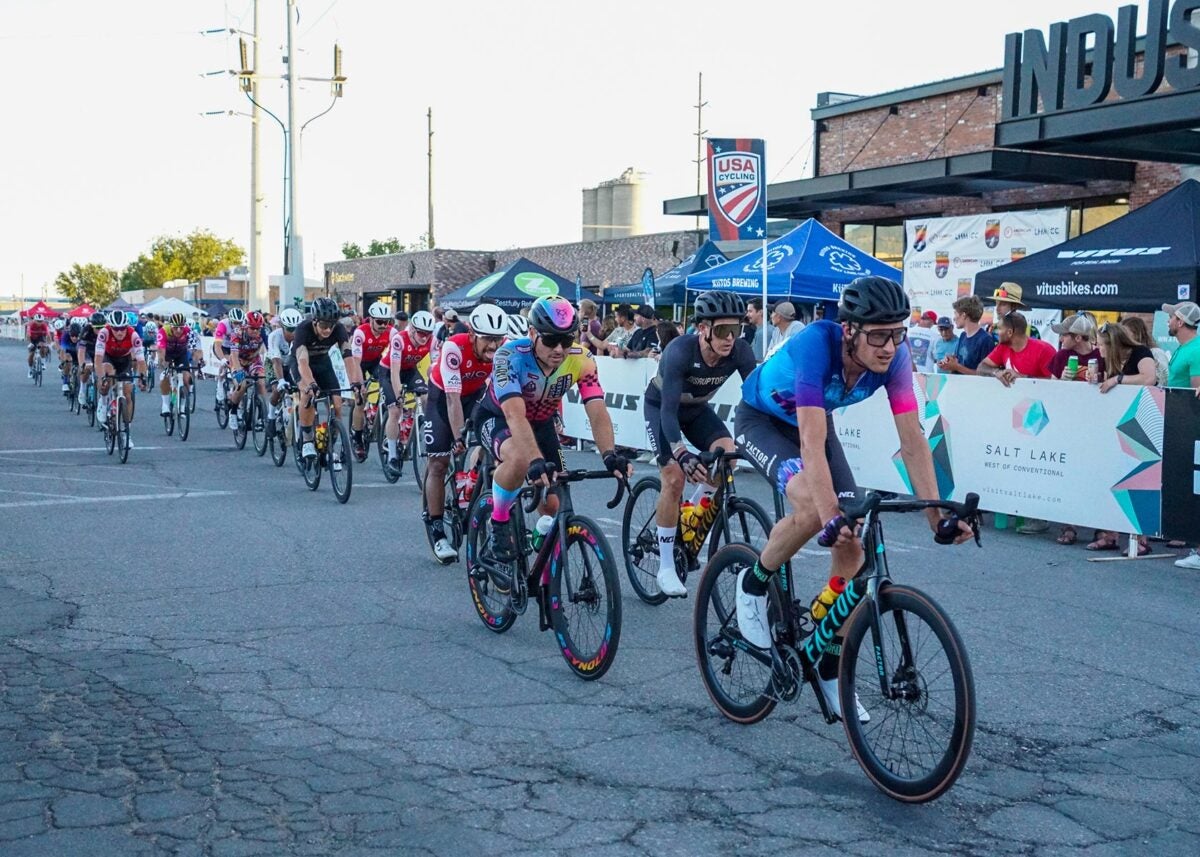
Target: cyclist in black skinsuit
691	370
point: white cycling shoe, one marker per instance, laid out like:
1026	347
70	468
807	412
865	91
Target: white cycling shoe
752	616
829	690
670	584
309	450
444	551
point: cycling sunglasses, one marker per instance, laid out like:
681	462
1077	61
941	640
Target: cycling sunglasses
880	338
726	331
557	340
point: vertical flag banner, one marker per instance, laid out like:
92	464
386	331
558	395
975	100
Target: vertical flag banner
578	288
648	287
737	189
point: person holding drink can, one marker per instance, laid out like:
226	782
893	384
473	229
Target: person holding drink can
1077	348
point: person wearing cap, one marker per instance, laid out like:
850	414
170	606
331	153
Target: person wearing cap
645	337
944	345
1077	338
400	320
1008	299
784	319
921	337
1182	321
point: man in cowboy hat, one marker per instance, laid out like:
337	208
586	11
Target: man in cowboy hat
1008	298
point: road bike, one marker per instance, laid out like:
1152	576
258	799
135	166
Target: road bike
115	424
408	445
284	428
221	405
901	657
182	402
728	517
89	398
252	416
38	367
73	388
332	443
572	578
468	475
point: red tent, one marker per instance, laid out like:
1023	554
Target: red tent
81	311
41	307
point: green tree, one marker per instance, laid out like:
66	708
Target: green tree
382	247
91	283
190	257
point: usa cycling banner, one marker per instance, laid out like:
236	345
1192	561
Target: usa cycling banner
737	189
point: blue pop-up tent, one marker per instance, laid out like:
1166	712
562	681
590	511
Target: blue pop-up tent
515	286
670	286
809	263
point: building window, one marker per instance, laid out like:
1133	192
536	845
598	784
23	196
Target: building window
884	241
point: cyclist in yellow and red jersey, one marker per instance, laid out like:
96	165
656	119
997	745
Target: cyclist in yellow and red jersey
529	378
368	344
38	334
456	384
247	346
118	347
398	372
178	347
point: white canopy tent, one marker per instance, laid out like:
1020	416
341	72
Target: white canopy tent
167	306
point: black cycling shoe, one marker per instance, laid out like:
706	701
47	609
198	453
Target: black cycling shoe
504	548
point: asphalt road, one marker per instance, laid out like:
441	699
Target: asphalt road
199	656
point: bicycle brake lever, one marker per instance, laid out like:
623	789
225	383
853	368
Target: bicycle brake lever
622	484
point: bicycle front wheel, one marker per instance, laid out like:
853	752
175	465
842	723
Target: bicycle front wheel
921	728
639	539
381	445
122	432
736	675
277	438
585	600
258	424
90	396
490	581
341	460
243	418
183	417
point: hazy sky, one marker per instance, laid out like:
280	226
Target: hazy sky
103	145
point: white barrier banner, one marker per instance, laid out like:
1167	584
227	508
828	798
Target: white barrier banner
1044	449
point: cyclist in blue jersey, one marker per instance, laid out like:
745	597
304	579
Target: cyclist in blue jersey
786	406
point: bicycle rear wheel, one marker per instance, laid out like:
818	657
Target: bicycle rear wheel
277	438
639	539
341	460
736	675
243	418
90	396
585	600
110	432
258	423
490	581
222	404
920	733
381	441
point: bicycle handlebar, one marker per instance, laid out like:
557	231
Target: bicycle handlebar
876	502
537	491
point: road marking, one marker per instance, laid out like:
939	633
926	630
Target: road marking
65	449
75	501
35	493
77	479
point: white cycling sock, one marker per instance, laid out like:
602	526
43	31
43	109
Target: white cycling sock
272	411
666	548
392	451
166	397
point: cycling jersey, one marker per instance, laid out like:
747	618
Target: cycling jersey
369	346
404	349
277	346
38	330
517	372
67	342
806	372
88	340
459	369
685	382
182	340
248	341
223	333
318	347
109	346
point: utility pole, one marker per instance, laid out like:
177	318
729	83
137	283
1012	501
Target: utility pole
293	276
260	290
700	132
429	175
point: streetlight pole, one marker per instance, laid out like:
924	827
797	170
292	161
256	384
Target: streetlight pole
260	291
429	177
293	280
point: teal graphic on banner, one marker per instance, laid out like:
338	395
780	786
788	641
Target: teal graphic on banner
578	288
648	287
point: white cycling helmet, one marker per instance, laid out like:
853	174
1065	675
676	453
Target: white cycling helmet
291	318
423	321
518	326
488	320
119	318
149	328
237	315
380	310
59	324
39	317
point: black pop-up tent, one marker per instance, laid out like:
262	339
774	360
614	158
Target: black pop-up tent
1136	263
518	284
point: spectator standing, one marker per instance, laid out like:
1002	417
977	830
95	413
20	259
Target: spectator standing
974	343
401	319
589	325
783	317
622	331
1182	321
920	341
1077	338
645	337
1017	356
667	330
1008	299
753	332
1141	335
944	345
454	325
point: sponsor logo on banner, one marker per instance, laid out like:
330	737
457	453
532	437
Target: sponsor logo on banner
991	234
775	255
484	284
1112	251
1016	253
842	261
943	263
964	287
1029	417
737	189
920	237
1183	292
535	285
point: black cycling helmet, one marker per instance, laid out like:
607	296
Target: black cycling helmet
552	315
324	309
873	300
712	305
98	320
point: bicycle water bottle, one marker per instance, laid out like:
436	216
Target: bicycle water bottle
540	530
705	514
464	486
406	426
321	430
821	604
